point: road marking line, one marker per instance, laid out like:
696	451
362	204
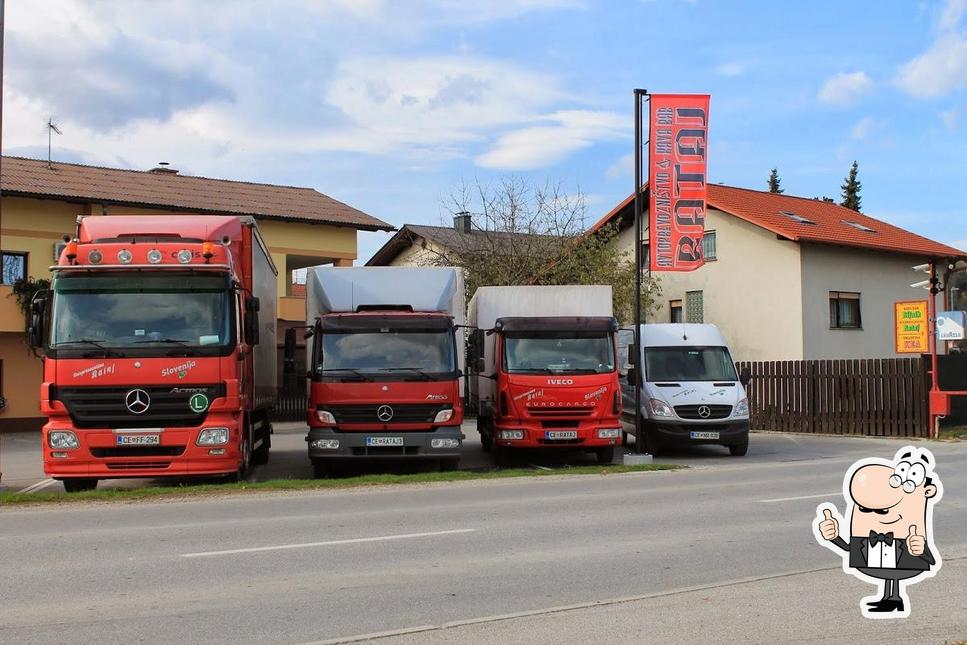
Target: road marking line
306	545
35	487
790	499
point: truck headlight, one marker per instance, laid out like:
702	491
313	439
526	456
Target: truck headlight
444	443
62	440
660	408
742	409
609	433
213	437
511	434
325	444
325	416
443	416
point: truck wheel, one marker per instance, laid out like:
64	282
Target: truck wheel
486	442
739	449
320	470
605	455
245	467
502	456
75	485
260	456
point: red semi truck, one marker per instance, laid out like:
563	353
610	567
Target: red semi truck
385	357
545	369
153	362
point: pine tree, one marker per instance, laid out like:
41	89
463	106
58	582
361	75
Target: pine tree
851	190
775	182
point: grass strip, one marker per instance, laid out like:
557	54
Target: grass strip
380	479
955	433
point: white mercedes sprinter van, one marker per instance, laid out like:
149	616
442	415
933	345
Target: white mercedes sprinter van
691	391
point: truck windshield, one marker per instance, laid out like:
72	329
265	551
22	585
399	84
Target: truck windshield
688	364
401	353
559	353
145	314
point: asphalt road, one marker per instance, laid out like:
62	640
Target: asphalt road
20	460
722	552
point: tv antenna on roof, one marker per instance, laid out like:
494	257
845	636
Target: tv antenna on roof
51	128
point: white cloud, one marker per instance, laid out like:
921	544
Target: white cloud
845	89
949	118
862	129
544	145
937	71
623	167
952	13
732	69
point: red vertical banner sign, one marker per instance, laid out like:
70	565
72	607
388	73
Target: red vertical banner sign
677	165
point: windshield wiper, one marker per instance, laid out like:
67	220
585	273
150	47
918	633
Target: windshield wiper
87	341
177	341
351	370
416	370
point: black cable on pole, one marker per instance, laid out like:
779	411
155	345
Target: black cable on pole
639	438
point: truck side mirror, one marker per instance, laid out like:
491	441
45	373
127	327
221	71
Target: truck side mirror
745	375
477	342
35	332
632	374
252	327
289	352
253	304
479	365
632	354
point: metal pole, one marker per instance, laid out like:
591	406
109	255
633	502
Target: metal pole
933	430
639	437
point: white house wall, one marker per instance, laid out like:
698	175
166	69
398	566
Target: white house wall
752	291
881	279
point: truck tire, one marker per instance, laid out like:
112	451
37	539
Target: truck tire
260	456
739	449
605	455
320	469
502	456
76	485
245	467
486	439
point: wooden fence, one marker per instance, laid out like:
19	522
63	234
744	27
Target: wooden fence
877	397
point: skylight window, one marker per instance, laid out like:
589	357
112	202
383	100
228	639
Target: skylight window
858	226
797	218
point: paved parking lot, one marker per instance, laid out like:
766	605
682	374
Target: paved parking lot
21	466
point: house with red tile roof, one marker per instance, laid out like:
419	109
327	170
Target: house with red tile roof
791	278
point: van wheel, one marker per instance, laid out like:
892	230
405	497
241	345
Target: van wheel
260	456
605	455
739	449
75	485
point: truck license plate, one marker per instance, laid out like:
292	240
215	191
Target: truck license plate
375	442
561	434
139	439
704	435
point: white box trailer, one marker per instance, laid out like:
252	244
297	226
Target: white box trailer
490	303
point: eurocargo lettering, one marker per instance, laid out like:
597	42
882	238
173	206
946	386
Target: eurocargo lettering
153	362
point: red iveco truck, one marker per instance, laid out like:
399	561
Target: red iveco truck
546	374
385	356
153	365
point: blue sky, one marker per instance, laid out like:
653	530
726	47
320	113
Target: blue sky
389	106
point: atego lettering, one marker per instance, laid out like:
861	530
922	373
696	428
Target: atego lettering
677	179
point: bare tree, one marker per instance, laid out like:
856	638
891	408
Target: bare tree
522	234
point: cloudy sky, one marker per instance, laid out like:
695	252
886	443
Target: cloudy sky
389	106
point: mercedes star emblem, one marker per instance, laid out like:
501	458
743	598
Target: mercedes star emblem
704	411
384	413
137	401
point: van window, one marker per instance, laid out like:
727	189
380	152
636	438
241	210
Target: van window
675	364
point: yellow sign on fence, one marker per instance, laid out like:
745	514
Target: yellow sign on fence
911	327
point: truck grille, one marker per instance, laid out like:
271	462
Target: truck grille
418	413
138	451
715	411
104	407
560	412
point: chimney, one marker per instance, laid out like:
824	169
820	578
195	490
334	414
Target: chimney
461	222
163	169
